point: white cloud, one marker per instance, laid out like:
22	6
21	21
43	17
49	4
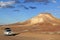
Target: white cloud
16	1
6	4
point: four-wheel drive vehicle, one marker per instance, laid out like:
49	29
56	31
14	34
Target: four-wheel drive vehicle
7	32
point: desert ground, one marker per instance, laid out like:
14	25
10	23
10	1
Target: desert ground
41	27
24	34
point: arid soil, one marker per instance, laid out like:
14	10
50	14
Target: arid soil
42	27
24	34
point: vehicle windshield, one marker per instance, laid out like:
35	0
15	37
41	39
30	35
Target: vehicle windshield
8	29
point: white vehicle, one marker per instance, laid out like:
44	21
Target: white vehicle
7	32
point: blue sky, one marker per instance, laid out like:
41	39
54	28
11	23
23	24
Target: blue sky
12	11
